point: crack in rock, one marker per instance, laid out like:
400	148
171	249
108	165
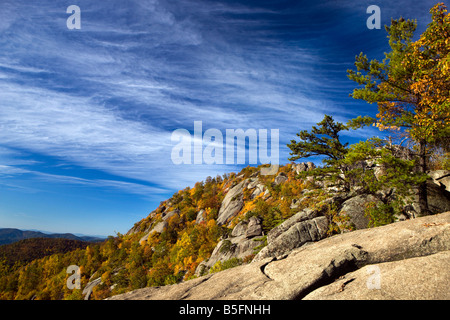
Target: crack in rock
351	260
188	291
263	266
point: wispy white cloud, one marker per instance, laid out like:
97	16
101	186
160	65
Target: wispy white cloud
19	68
72	127
11	170
122	123
128	187
108	96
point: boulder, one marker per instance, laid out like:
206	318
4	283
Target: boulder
280	178
354	208
310	165
295	203
441	178
253	182
254	228
283	227
438	200
299	167
235	247
239	229
305	226
445	181
420	278
87	291
257	187
260	188
200	216
296	236
240	245
438	174
232	203
303	166
250	228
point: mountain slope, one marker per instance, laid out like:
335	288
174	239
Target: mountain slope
405	260
27	250
222	222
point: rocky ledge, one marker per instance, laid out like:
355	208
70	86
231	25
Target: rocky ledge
403	260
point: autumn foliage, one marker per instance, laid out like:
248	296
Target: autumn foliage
125	263
411	87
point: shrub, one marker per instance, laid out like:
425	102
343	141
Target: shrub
257	249
382	214
191	214
220	266
271	219
226	246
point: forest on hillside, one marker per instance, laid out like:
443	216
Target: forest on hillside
165	258
27	250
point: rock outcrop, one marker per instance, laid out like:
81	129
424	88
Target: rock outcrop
280	178
354	209
257	187
303	166
254	227
200	216
395	280
232	203
441	178
245	237
87	291
299	259
305	226
404	260
437	195
159	227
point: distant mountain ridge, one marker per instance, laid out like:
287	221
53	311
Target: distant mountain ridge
10	235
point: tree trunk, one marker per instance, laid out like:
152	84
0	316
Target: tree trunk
423	193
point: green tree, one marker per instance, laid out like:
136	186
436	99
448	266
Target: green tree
411	86
349	165
323	140
388	172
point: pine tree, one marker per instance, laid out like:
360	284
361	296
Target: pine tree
323	141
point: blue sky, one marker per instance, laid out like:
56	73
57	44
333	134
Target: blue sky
86	116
